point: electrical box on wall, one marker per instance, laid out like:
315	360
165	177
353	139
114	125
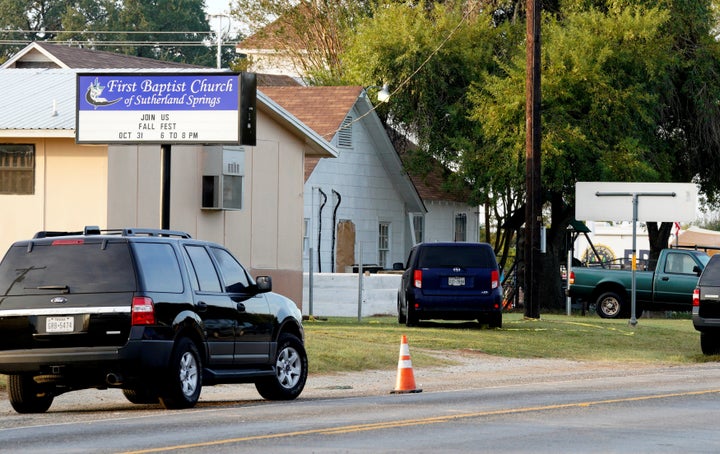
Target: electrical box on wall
222	179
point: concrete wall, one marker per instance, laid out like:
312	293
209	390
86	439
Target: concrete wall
336	294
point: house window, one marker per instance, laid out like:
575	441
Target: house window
383	243
17	169
461	227
345	133
418	227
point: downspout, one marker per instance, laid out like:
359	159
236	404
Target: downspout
334	224
322	205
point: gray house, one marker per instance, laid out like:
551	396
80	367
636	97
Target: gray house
363	207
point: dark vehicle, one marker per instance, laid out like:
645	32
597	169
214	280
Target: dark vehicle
668	288
451	281
152	312
706	307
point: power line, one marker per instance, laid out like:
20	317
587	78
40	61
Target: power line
110	31
409	78
91	43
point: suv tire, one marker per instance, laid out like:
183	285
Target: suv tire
184	377
291	368
710	342
26	396
140	395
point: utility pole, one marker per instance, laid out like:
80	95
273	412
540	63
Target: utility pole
533	200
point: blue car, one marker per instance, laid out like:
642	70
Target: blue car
451	281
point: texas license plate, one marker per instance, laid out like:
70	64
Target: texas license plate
456	281
60	324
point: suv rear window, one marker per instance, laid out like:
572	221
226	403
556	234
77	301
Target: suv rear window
711	276
76	267
451	256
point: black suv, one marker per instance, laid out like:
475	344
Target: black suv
152	312
452	281
706	307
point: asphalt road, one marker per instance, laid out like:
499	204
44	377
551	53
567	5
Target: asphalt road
611	408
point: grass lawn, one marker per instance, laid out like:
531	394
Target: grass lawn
344	344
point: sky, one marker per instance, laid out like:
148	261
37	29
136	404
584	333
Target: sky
219	7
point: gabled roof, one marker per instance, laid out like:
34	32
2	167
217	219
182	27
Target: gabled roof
41	103
41	54
321	108
325	108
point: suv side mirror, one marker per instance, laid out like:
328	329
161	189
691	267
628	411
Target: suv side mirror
264	283
697	270
398	266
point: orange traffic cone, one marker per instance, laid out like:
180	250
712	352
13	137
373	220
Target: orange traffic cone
405	379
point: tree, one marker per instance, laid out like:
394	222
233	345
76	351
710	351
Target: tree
154	17
602	72
28	21
311	33
133	26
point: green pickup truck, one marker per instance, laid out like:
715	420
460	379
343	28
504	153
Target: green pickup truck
669	287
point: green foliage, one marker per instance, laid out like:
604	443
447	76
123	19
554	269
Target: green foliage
429	54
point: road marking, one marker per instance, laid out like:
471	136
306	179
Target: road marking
421	421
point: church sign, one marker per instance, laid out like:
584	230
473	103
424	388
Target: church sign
164	108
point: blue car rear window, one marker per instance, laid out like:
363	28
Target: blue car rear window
452	256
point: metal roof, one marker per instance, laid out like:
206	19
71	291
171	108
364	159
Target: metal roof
37	99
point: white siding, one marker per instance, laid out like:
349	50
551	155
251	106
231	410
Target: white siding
368	197
440	220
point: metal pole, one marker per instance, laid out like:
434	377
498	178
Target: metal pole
633	302
634	195
360	282
166	152
568	300
310	282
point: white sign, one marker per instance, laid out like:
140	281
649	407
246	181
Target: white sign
158	108
657	202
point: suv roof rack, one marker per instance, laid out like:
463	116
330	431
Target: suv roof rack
155	232
95	230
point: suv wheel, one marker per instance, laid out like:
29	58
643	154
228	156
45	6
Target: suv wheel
291	368
140	395
494	320
710	342
184	377
401	315
26	396
411	319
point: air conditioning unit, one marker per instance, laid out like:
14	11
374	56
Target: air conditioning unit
222	179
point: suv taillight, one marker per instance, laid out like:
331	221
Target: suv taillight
143	311
417	278
696	297
494	279
571	281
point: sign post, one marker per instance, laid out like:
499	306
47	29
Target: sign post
594	201
635	196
